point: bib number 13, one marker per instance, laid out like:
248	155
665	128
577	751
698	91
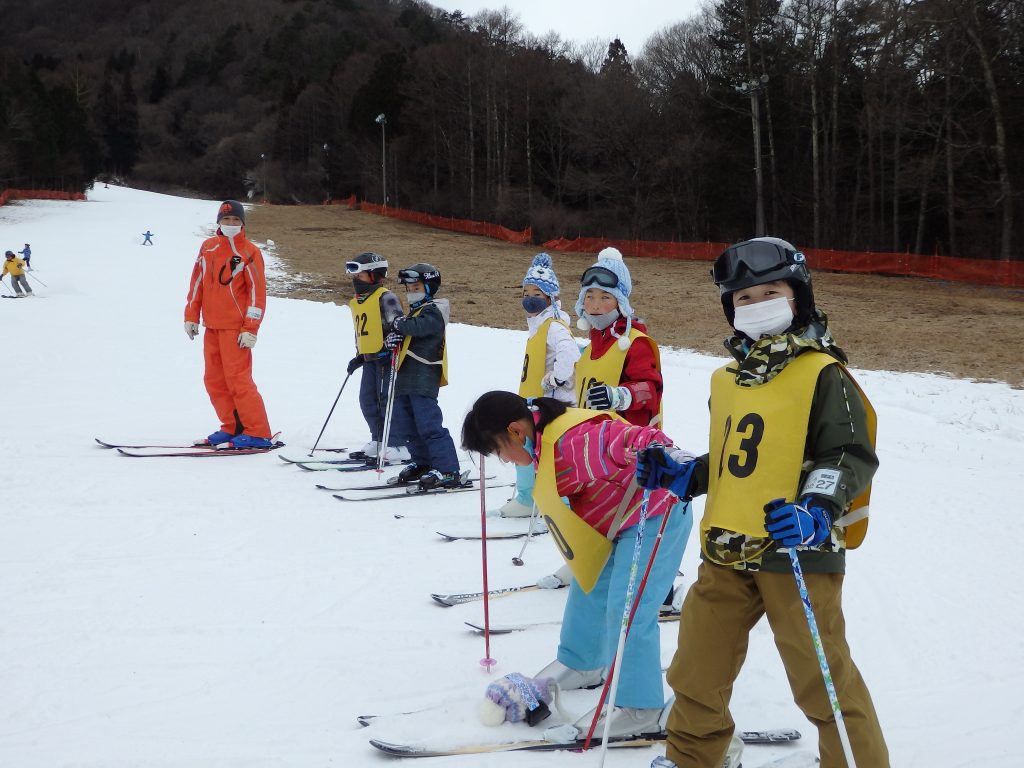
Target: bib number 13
742	463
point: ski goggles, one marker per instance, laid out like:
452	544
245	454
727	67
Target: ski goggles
757	257
354	267
599	276
414	276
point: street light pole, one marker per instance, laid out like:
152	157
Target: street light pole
263	158
754	88
327	169
382	121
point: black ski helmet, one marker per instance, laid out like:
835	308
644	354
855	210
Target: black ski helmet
764	260
424	273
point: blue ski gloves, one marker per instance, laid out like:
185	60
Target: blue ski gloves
669	468
792	525
602	397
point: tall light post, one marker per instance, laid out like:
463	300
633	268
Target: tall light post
263	159
754	88
383	121
327	169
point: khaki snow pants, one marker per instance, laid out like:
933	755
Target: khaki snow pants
720	610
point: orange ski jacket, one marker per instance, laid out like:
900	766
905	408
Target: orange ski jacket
228	285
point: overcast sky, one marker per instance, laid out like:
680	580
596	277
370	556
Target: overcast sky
632	21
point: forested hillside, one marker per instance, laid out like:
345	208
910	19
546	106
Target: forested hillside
871	124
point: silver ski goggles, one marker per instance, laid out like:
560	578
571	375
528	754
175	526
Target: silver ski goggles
354	267
599	276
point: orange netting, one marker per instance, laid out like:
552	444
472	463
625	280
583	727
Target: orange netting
38	194
980	271
454	225
350	201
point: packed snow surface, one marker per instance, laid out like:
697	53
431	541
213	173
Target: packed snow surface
223	612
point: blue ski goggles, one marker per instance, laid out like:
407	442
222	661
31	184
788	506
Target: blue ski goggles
599	276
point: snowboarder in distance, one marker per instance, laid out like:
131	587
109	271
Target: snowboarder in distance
772	491
148	238
229	289
15	267
27	253
374	308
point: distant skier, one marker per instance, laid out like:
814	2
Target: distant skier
149	238
229	288
27	253
16	268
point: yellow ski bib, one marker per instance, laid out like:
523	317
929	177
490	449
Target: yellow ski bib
757	441
369	328
607	369
443	362
534	362
584	550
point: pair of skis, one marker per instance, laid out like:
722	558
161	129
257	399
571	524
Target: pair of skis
193	451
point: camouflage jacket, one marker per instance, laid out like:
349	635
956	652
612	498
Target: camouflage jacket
837	437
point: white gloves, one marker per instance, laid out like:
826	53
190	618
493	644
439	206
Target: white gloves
556	580
191	329
602	397
550	383
246	340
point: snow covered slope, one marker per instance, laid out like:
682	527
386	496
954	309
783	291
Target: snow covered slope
223	612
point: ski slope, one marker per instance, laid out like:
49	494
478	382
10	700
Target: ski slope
224	612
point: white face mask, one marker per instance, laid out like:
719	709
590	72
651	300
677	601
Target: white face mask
230	230
414	296
600	322
766	318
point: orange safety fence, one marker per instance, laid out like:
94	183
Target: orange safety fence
522	237
349	201
38	194
979	271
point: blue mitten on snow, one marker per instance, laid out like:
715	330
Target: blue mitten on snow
792	525
515	698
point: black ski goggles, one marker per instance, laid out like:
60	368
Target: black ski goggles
599	276
354	267
756	257
412	276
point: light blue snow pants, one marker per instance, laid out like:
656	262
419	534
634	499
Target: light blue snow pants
591	622
526	477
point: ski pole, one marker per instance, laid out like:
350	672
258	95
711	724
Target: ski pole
529	535
38	280
330	413
628	612
819	649
382	451
486	662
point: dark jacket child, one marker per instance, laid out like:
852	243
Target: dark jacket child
374	308
419	338
771	485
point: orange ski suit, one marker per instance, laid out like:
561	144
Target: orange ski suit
229	288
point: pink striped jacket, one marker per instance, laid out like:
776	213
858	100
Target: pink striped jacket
595	463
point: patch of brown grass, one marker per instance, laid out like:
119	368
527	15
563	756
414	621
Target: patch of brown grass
884	323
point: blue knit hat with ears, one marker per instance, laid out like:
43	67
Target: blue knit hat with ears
610	259
542	275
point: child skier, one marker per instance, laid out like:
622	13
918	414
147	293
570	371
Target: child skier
620	370
419	338
551	354
228	288
27	253
15	267
770	486
588	458
374	308
147	238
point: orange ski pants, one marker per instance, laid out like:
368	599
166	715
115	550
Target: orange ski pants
228	381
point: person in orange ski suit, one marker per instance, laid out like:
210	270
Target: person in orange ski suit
229	289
